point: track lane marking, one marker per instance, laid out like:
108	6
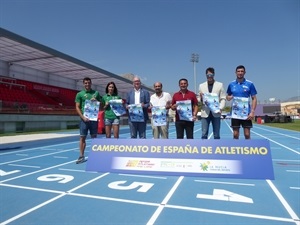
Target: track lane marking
219	182
50	200
283	201
164	202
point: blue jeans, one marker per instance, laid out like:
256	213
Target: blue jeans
216	124
91	126
137	127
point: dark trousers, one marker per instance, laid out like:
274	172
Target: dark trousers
137	128
187	126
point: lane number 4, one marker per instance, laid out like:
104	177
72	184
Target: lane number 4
223	195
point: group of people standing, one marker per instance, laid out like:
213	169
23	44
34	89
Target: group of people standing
240	87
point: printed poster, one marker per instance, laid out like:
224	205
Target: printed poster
185	110
159	115
240	108
211	100
136	113
117	107
91	110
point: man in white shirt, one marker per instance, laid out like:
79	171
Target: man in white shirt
160	99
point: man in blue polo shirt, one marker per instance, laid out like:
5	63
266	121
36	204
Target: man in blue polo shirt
242	89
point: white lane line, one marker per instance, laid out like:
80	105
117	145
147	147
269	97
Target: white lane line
132	202
219	182
229	126
286	147
82	171
60	157
88	182
38	171
81	195
164	202
256	216
24	166
33	149
283	201
38	156
114	199
196	130
49	201
287	160
32	209
281	134
49	149
293	171
171	192
22	154
32	188
296	188
133	175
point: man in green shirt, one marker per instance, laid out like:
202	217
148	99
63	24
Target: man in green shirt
86	124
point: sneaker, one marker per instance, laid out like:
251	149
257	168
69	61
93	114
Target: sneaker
81	159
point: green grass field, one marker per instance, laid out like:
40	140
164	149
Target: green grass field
295	125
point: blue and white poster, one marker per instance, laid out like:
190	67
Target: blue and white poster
136	113
159	115
184	110
240	108
211	100
91	109
117	107
246	159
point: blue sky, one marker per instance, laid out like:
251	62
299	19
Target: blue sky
154	39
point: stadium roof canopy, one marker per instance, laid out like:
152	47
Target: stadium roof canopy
19	50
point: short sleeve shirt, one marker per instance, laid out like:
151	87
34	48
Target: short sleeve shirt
109	114
161	100
189	95
87	95
244	89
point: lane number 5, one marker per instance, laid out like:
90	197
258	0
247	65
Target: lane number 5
119	185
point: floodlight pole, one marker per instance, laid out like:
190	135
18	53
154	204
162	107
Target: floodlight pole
194	60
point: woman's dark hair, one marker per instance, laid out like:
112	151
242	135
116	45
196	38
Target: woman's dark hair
115	88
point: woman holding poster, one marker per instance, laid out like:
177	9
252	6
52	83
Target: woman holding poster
114	108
